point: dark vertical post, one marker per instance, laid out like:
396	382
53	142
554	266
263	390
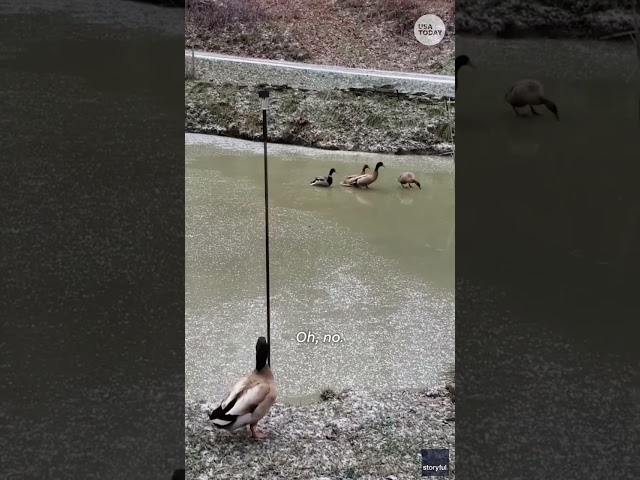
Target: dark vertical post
264	99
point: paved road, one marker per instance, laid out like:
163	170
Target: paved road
450	80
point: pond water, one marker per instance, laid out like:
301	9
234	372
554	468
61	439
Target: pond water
553	181
537	195
372	268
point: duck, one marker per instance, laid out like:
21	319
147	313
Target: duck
323	181
250	398
345	182
529	92
366	179
407	178
461	61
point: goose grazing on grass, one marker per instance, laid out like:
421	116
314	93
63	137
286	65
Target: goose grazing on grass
529	93
461	61
407	178
345	182
324	181
251	397
366	179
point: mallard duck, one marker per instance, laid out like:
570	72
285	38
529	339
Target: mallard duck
529	93
461	61
366	179
407	178
345	182
251	397
324	181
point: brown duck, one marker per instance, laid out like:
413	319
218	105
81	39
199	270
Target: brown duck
367	179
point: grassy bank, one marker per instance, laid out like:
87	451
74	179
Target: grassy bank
352	435
333	120
544	18
353	33
321	110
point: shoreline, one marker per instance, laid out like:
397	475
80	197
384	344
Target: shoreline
350	434
400	152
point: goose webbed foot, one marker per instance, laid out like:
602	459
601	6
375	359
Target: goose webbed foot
255	433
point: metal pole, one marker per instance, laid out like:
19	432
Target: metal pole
264	95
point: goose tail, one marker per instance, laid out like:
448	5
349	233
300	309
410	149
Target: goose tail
220	417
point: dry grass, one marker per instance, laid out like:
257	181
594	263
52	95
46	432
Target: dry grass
353	33
333	120
347	435
222	14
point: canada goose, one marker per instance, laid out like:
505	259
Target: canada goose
345	182
461	61
251	397
323	181
407	178
529	92
366	179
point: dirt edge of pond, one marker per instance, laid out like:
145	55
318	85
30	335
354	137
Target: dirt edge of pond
349	435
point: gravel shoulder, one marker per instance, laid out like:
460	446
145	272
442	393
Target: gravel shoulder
352	435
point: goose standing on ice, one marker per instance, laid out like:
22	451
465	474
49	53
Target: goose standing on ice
407	178
529	93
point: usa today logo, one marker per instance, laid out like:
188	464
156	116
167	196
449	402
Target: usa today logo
429	29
